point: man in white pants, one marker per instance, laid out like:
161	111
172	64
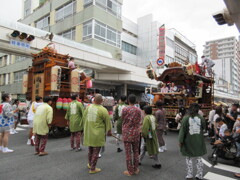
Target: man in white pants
30	117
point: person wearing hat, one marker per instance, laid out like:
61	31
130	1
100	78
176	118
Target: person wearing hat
191	141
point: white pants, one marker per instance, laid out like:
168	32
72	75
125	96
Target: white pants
199	164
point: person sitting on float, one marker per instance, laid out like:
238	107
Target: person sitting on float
164	88
71	64
173	88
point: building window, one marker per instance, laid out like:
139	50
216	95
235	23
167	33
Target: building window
111	6
170	43
88	3
19	59
66	11
6	79
107	34
169	60
5	60
87	30
129	48
43	23
18	76
27	7
101	32
8	59
70	34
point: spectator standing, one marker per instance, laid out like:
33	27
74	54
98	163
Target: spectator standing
233	115
74	117
191	141
97	125
150	137
6	120
16	117
118	117
161	125
32	110
131	117
41	123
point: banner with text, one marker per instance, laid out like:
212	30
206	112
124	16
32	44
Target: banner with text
162	44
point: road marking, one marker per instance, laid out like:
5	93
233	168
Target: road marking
206	163
213	176
227	168
24	125
20	129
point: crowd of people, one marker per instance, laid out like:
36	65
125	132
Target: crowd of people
224	128
139	128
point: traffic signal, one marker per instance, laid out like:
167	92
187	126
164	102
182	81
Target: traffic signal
30	38
23	36
15	34
223	17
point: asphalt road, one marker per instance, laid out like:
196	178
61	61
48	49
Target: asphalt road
63	164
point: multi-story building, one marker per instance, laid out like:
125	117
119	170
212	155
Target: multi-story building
99	24
225	53
29	6
96	23
141	43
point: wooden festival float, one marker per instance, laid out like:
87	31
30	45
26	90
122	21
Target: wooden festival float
50	76
197	89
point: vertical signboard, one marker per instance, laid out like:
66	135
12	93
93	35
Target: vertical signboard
162	44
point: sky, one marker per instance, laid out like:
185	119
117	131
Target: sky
193	18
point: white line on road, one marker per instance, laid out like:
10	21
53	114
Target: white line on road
213	176
206	163
227	168
20	129
23	125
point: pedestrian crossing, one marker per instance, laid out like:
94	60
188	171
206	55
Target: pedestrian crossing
214	176
22	127
224	167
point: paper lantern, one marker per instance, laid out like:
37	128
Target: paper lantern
65	103
69	100
25	83
59	104
56	78
75	81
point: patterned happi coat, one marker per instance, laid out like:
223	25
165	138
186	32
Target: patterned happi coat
131	117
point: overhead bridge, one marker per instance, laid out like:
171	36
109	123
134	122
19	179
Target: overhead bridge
106	67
